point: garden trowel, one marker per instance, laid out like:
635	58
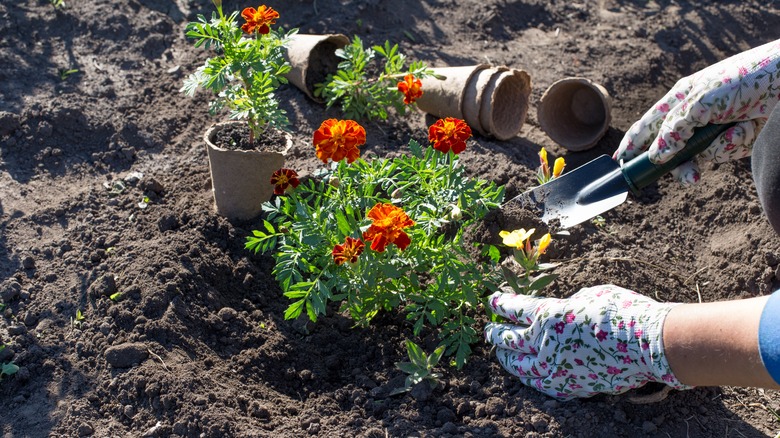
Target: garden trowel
603	184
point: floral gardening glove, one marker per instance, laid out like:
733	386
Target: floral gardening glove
743	89
604	339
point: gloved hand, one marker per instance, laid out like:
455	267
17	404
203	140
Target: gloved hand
743	88
604	339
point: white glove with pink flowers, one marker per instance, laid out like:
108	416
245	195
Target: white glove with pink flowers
742	89
604	339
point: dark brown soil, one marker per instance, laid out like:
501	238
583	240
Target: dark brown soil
197	346
232	136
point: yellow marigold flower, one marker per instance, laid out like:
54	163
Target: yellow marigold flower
516	238
560	163
543	157
544	242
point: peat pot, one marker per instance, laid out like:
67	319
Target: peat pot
313	58
241	179
492	100
575	113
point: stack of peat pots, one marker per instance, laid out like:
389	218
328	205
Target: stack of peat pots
492	100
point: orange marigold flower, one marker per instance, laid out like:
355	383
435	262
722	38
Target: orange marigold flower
449	134
282	179
411	87
259	19
389	222
339	139
348	251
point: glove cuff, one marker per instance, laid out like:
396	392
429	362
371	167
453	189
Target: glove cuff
651	345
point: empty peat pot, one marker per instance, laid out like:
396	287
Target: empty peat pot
313	58
504	103
575	113
443	94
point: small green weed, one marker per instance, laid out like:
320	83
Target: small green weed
66	72
7	368
78	320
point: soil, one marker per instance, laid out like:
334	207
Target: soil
197	346
235	136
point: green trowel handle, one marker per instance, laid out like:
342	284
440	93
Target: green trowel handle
640	172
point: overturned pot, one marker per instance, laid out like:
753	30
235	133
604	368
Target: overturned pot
241	178
492	100
575	112
313	58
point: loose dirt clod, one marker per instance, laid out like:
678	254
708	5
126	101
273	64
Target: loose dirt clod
126	355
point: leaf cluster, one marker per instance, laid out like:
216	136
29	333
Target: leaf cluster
436	281
365	85
419	368
244	72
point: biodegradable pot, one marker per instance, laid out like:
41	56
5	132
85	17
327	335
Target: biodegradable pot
241	179
444	97
313	58
492	100
575	113
472	98
504	103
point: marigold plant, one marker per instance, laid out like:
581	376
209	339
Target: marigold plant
370	81
247	67
383	234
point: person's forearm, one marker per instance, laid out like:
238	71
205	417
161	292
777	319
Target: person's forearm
714	344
